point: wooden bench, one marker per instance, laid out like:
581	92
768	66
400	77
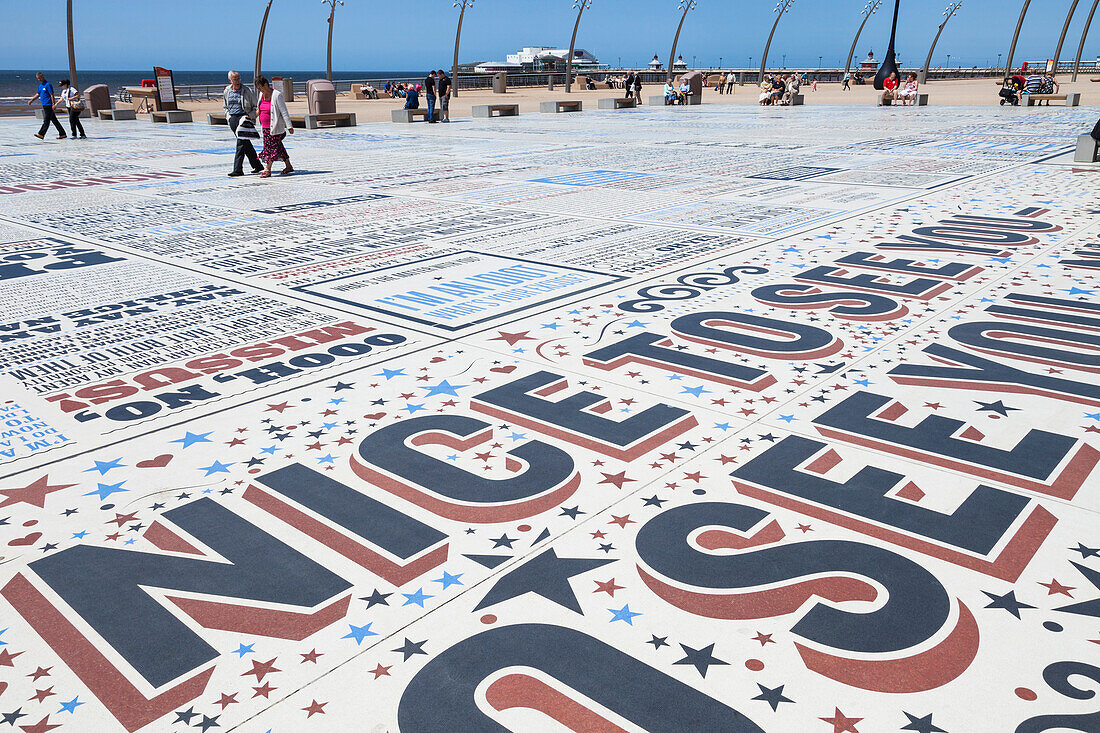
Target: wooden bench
1071	100
1087	149
217	118
562	105
617	103
325	119
408	115
485	111
920	101
117	114
170	115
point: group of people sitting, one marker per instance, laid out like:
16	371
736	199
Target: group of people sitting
893	91
779	89
674	95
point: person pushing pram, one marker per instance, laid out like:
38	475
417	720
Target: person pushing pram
1011	89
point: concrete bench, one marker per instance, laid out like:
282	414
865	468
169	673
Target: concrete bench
562	105
217	118
798	100
408	115
324	119
1087	149
1071	100
117	113
920	101
617	103
657	100
495	110
62	114
170	116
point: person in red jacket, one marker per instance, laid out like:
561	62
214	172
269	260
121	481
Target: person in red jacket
889	86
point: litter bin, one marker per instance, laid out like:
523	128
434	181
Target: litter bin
321	96
500	83
288	89
97	97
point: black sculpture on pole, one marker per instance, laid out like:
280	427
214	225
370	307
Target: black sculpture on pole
889	64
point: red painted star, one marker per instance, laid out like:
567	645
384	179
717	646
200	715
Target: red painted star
278	408
622	521
41	726
41	695
380	671
1054	587
262	669
6	658
608	587
40	672
315	708
226	700
512	338
264	690
764	639
616	478
34	493
311	656
841	723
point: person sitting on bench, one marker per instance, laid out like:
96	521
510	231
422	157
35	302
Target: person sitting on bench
670	94
889	89
907	95
412	98
685	91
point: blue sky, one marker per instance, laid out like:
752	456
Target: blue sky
412	34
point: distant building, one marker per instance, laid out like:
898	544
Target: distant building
680	64
655	64
542	58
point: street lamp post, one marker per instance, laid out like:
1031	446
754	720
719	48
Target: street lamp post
458	37
72	44
780	10
685	5
1062	38
331	18
1084	33
579	6
870	9
260	40
1015	38
948	13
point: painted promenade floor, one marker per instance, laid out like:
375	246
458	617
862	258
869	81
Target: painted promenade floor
718	419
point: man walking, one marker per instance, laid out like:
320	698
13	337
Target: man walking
239	102
45	98
429	94
443	90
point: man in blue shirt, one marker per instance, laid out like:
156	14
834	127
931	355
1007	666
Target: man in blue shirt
45	98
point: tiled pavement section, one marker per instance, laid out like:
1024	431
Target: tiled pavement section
713	419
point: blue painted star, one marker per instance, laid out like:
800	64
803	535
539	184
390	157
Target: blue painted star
359	633
696	391
189	439
215	467
444	388
70	706
448	580
106	490
104	466
390	373
623	614
243	649
418	598
413	408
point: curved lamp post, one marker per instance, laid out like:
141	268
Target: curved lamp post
685	5
1084	33
870	9
331	18
458	37
1015	38
72	45
781	8
949	12
1062	38
579	6
260	40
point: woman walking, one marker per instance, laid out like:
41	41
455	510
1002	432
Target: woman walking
70	100
275	123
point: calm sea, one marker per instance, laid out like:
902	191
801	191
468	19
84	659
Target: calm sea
16	87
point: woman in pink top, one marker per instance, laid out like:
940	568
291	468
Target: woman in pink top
275	123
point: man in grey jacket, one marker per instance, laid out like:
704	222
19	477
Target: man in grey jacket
240	101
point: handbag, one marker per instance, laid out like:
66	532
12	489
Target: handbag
1096	131
246	129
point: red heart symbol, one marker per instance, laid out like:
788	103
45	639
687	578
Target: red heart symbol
375	416
25	541
158	462
437	359
504	369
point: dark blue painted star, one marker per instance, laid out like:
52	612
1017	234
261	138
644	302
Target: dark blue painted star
376	598
922	725
411	648
340	386
654	501
998	407
1008	602
658	641
701	659
503	541
1086	608
1086	552
207	722
13	716
546	575
772	696
571	513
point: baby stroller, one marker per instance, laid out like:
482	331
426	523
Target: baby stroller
1010	90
